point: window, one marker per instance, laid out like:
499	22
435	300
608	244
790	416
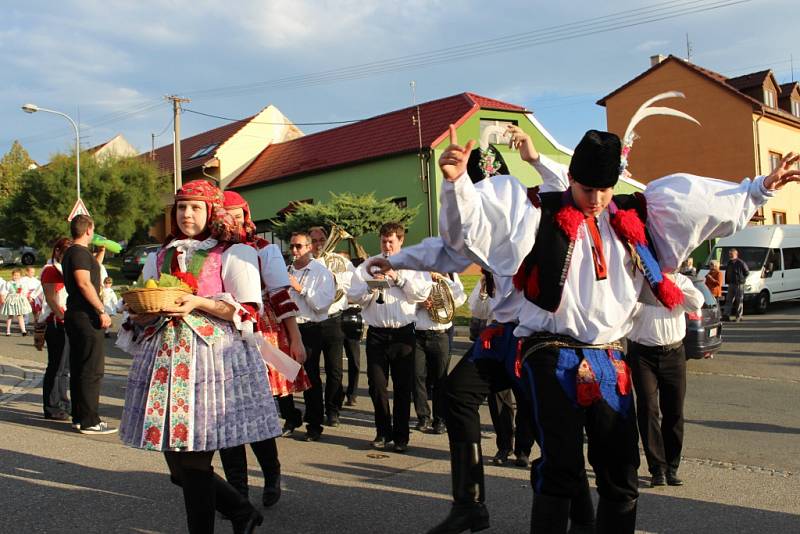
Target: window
494	130
796	108
774	160
778	217
769	97
791	258
400	202
204	151
773	262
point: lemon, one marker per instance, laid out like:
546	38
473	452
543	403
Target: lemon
151	284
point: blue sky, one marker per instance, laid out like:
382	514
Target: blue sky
110	62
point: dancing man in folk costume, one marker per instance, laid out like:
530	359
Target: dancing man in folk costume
276	323
198	382
582	258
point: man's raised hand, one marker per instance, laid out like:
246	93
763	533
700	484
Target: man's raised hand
784	173
453	160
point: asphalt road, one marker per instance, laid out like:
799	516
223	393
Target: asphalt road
741	463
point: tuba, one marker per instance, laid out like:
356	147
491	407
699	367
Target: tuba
336	263
443	308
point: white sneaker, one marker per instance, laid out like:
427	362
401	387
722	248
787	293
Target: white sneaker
76	426
100	428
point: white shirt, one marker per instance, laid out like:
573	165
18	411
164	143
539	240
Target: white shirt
423	319
110	300
399	301
656	326
494	224
318	291
33	286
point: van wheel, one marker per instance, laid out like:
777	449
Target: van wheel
28	258
762	303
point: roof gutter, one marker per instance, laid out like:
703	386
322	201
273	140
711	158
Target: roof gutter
757	137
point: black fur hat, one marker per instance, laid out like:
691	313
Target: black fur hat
596	161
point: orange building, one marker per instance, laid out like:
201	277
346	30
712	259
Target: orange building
747	124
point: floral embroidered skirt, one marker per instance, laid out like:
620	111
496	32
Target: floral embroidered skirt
195	385
16	304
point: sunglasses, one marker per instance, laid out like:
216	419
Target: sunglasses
298	245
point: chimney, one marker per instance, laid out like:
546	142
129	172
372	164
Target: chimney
655	60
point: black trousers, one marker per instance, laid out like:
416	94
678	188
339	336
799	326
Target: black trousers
391	351
613	438
55	385
352	348
659	378
514	431
431	362
324	338
287	409
87	365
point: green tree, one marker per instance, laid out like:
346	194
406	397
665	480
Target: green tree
358	214
13	165
123	195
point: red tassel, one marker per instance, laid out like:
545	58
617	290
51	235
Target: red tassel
668	293
587	388
623	375
569	219
490	333
629	226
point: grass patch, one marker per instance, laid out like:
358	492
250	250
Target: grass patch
463	315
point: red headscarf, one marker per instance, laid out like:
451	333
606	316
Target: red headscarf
234	200
218	222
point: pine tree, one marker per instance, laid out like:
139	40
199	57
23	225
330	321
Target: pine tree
357	214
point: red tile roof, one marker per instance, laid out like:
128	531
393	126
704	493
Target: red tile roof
383	135
190	145
787	88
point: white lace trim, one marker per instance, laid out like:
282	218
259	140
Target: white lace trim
188	247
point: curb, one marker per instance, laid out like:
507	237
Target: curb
15	381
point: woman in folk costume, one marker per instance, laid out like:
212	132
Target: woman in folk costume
198	383
278	326
16	302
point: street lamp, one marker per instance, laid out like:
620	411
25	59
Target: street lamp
33	108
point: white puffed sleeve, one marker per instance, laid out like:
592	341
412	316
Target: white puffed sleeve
494	224
240	276
431	254
683	210
273	268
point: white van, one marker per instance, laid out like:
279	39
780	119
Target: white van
772	254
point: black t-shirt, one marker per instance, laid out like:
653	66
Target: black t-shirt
78	257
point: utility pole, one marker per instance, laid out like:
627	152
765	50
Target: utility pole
416	120
176	143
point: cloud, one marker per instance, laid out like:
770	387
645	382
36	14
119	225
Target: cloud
650	46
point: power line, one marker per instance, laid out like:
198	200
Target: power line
596	25
325	123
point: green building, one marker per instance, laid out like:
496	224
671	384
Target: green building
393	155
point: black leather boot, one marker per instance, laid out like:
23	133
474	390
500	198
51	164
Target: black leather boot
231	504
468	511
616	517
234	463
581	511
266	452
549	515
198	497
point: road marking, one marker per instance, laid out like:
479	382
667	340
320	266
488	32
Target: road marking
747	377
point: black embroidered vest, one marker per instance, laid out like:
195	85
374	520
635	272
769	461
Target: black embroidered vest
544	270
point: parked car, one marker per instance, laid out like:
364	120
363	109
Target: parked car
15	253
772	253
704	328
134	259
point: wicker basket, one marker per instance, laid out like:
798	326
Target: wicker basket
153	300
